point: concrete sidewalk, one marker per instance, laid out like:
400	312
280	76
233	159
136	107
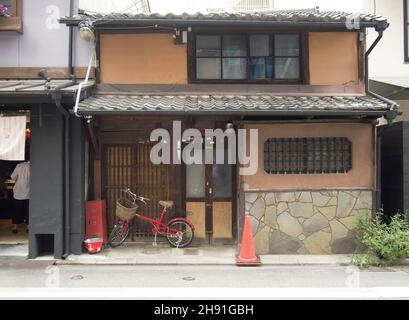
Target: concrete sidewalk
14	250
146	254
142	254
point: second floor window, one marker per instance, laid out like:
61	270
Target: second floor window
248	57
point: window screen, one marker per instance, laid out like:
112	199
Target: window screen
307	155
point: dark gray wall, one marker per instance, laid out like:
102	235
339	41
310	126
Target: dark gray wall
395	167
77	185
405	152
47	183
46	191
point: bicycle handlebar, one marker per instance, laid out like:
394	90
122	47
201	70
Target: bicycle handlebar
135	196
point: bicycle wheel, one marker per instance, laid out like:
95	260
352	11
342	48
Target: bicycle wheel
183	234
118	235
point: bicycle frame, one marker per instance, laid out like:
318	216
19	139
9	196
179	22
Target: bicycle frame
158	226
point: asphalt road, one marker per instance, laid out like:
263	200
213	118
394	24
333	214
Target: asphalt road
41	279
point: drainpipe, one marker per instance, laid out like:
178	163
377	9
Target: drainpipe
71	42
390	114
57	96
393	106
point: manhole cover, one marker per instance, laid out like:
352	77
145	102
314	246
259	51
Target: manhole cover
188	278
77	277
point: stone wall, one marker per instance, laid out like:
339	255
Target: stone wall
306	222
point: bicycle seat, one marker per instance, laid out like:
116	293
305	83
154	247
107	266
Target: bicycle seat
166	204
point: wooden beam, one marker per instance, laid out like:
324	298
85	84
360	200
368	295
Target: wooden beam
93	138
32	73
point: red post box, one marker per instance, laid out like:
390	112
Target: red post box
95	212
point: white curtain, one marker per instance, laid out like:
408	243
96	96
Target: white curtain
12	138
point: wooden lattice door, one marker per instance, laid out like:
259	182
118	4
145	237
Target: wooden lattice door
130	166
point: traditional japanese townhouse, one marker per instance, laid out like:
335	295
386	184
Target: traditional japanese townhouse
299	77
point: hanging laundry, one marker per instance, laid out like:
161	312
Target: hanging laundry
12	138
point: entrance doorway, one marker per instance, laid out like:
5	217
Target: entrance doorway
13	223
129	166
210	190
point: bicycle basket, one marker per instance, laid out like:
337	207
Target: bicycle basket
125	209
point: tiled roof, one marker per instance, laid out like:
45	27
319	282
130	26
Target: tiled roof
228	103
10	87
279	16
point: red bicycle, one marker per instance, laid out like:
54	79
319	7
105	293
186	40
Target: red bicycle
179	232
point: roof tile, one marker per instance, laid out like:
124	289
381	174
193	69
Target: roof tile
228	103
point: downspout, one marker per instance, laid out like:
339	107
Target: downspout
389	116
71	42
393	106
57	97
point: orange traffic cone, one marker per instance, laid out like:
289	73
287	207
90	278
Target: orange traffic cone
247	255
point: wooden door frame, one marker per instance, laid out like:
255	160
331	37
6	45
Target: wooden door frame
207	198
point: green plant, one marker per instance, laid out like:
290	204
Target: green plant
366	260
387	240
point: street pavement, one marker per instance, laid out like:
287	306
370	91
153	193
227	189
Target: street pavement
42	279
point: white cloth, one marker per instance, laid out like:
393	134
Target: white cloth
12	138
21	175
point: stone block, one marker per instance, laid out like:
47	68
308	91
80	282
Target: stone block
261	241
338	230
329	212
315	223
344	246
318	243
251	197
254	225
289	225
281	207
320	199
333	201
305	197
258	208
270	199
346	203
364	200
270	217
350	222
285	196
299	209
283	244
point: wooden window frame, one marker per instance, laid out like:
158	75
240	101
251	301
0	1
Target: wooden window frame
303	59
406	29
14	22
307	155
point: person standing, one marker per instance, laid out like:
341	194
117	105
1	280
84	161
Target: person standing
21	194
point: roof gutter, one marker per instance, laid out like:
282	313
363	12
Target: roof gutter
392	113
279	113
128	23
